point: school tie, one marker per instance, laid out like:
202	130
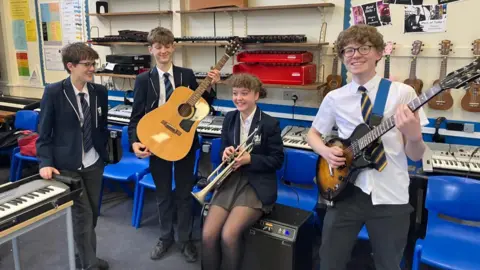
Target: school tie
87	124
378	153
168	85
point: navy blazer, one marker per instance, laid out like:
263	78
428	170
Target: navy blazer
60	140
146	96
266	158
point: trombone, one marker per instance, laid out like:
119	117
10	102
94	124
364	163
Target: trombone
221	176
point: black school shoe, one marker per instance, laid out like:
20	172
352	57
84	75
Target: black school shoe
189	251
160	249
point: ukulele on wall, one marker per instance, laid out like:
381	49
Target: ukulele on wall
389	47
444	100
334	80
412	80
471	99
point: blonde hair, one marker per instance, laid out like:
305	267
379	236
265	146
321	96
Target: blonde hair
248	81
160	35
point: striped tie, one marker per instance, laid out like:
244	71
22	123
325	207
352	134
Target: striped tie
378	153
87	123
168	85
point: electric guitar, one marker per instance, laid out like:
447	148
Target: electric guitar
168	131
334	80
444	100
389	47
471	100
335	184
413	81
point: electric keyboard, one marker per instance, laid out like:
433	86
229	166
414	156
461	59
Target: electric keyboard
120	114
14	104
29	197
211	126
295	137
460	160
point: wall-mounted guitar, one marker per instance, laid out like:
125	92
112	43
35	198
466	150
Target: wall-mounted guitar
471	100
389	47
334	80
412	80
168	130
444	100
334	184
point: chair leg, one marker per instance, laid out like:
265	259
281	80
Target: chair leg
141	197
19	169
417	253
135	203
13	168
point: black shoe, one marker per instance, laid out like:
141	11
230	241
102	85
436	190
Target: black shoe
190	252
160	249
102	264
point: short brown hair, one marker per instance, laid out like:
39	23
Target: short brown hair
248	81
360	34
76	52
160	35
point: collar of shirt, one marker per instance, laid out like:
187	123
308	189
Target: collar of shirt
249	119
370	85
160	72
84	90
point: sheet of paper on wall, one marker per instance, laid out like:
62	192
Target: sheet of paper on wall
425	19
374	14
404	2
72	21
22	64
19	9
31	29
19	35
53	58
51	25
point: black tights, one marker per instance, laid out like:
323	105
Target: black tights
229	228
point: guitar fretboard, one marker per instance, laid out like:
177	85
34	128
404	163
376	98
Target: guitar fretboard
387	67
413	68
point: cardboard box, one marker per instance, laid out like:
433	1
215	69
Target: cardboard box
203	4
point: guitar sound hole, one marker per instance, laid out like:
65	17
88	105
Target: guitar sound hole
185	110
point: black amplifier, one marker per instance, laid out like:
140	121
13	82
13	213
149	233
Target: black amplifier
281	240
129	58
130	69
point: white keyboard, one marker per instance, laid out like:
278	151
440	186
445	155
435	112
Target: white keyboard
28	195
295	137
120	114
211	125
451	157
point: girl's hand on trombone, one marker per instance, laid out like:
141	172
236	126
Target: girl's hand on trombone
245	158
228	152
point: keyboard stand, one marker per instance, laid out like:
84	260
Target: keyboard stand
24	227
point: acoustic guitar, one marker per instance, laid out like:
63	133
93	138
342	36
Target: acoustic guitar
412	80
471	99
389	47
334	80
336	183
444	100
168	131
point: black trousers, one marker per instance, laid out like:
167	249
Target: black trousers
387	227
167	202
85	212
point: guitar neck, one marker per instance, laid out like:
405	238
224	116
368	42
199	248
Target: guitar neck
387	67
335	65
413	68
443	68
385	126
206	82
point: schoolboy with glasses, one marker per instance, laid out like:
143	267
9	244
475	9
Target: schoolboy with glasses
380	198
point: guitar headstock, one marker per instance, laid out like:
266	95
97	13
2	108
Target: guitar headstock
476	48
461	77
445	47
232	47
417	47
389	48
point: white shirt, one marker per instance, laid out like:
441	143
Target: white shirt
245	126
342	107
91	156
163	93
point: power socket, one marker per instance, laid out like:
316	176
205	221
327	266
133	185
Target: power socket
470	128
288	95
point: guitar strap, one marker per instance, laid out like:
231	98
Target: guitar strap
379	105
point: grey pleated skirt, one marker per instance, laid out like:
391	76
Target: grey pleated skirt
237	191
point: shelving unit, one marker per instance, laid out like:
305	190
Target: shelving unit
218	44
234	9
113	14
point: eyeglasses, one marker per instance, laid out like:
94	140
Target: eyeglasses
363	50
89	64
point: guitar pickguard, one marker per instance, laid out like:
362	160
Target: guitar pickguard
200	111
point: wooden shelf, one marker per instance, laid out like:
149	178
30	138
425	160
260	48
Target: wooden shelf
124	76
112	14
318	5
122	43
314	86
219	44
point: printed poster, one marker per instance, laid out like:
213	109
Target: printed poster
31	29
426	19
19	9
22	64
51	26
374	14
404	2
72	24
53	58
19	35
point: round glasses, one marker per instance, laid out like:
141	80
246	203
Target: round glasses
363	50
89	64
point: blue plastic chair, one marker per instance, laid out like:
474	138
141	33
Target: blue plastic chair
147	182
24	120
299	169
128	169
450	241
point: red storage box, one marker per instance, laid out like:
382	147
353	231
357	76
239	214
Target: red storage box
280	74
297	57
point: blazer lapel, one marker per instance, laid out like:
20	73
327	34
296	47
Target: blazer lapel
236	129
255	121
72	98
177	77
155	90
92	94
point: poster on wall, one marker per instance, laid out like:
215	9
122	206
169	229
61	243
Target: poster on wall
374	14
404	2
19	35
22	64
19	9
72	25
426	19
51	27
53	58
